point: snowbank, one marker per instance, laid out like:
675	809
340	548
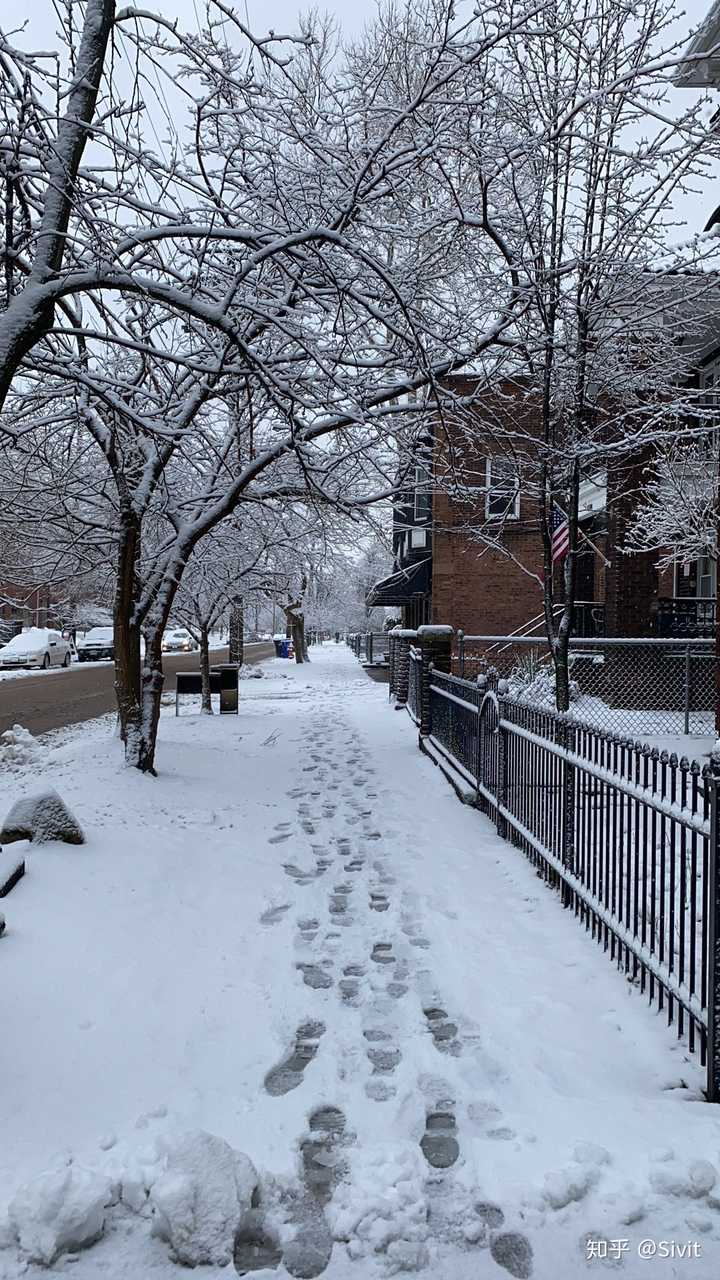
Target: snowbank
18	748
383	1207
60	1211
199	1200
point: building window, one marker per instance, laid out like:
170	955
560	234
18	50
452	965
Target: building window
696	579
423	495
502	495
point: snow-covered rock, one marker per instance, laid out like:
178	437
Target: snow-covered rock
41	816
61	1211
200	1198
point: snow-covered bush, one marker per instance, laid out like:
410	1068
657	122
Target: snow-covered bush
534	682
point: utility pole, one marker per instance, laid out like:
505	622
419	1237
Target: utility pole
237	631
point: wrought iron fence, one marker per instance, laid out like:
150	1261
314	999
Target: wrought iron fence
413	698
370	646
454	708
634	687
627	834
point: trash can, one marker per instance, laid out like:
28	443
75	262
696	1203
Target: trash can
278	641
285	648
228	673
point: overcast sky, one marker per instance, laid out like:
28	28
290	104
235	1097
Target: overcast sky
282	15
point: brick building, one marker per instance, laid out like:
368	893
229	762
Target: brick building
467	491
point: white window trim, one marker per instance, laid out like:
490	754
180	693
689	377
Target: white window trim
513	508
420	492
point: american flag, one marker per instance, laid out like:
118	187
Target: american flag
560	534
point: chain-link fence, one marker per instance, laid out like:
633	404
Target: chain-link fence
633	687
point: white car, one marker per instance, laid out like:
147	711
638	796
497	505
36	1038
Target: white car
97	643
178	640
36	647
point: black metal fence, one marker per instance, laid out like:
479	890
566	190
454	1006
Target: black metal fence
413	698
371	647
628	835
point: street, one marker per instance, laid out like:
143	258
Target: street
54	699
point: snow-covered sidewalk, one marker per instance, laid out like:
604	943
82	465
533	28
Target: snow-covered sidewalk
298	940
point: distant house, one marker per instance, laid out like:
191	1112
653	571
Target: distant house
23	607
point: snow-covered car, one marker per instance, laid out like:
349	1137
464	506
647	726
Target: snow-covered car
36	647
178	640
97	643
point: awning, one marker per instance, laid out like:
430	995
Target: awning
401	586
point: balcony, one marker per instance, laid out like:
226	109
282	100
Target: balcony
679	616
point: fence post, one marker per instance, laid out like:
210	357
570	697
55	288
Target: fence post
565	738
403	641
687	688
435	651
713	902
461	652
369	647
502	784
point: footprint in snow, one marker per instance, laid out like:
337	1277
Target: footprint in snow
439	1144
384	1056
273	914
442	1030
255	1248
315	976
513	1251
288	1073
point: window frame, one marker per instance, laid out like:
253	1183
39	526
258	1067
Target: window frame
419	491
496	491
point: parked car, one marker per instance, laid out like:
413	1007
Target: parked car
97	643
178	640
36	647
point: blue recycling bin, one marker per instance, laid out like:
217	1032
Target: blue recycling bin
284	648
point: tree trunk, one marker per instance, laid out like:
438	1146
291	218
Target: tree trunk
206	707
143	754
298	638
126	634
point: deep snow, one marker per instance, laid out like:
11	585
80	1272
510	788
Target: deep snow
299	899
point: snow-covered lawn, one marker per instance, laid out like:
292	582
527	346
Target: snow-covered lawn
298	940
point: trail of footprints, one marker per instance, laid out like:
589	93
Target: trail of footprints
322	1163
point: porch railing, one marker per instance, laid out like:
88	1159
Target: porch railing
682	616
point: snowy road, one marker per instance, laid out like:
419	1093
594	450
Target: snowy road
297	939
44	700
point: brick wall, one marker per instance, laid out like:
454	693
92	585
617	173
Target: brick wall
632	580
478	590
483	592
